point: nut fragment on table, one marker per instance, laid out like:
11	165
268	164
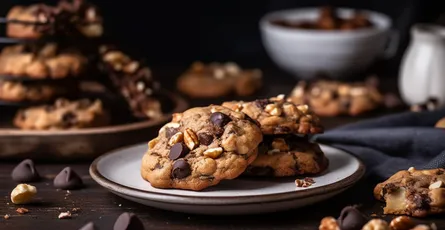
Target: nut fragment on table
23	194
22	210
6	216
65	215
304	183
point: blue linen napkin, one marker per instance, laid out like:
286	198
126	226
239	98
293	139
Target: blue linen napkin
391	143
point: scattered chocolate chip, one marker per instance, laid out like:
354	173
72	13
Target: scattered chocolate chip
181	169
205	138
261	103
261	171
219	119
351	219
68	179
128	221
178	150
89	226
25	172
169	132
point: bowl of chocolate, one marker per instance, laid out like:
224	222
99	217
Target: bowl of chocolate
339	42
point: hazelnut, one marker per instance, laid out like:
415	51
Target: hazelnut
376	224
401	223
328	223
23	194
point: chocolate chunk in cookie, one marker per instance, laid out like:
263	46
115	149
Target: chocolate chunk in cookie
413	192
209	144
287	155
277	116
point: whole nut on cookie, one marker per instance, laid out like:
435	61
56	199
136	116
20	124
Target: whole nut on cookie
178	137
303	108
436	184
376	224
401	223
115	56
23	194
213	152
190	139
218	73
273	109
328	223
278	98
131	67
153	142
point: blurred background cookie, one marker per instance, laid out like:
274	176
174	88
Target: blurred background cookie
33	92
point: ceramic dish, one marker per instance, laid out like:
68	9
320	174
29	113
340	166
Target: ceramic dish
119	172
82	143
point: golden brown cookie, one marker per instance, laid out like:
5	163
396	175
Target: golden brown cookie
278	116
440	123
63	114
216	80
333	98
31	92
201	147
287	155
47	61
413	192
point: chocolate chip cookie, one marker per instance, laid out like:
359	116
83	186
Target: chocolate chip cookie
332	98
413	192
31	92
278	116
134	81
201	147
68	18
287	155
63	114
219	79
47	61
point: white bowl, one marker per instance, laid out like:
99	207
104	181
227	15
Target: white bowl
339	54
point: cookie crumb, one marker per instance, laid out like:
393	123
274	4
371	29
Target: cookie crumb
120	205
65	215
304	183
6	217
22	210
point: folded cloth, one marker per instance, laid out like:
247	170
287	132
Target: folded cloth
391	143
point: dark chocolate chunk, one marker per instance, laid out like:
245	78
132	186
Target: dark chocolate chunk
68	179
128	221
351	219
205	138
422	201
261	171
261	103
181	169
89	226
178	150
169	132
25	172
219	119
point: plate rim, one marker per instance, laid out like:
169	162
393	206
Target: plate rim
212	200
181	105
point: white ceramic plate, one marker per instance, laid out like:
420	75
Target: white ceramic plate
119	172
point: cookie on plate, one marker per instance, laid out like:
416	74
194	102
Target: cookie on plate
32	92
200	147
63	114
413	192
287	155
48	61
278	116
218	79
333	98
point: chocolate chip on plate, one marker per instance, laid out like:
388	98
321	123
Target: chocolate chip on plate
205	138
181	169
219	119
351	219
68	179
178	150
25	172
128	221
89	226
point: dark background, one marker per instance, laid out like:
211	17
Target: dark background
168	32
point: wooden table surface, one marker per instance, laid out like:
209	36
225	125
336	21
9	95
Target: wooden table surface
97	204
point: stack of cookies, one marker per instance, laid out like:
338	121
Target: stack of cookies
49	59
203	146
